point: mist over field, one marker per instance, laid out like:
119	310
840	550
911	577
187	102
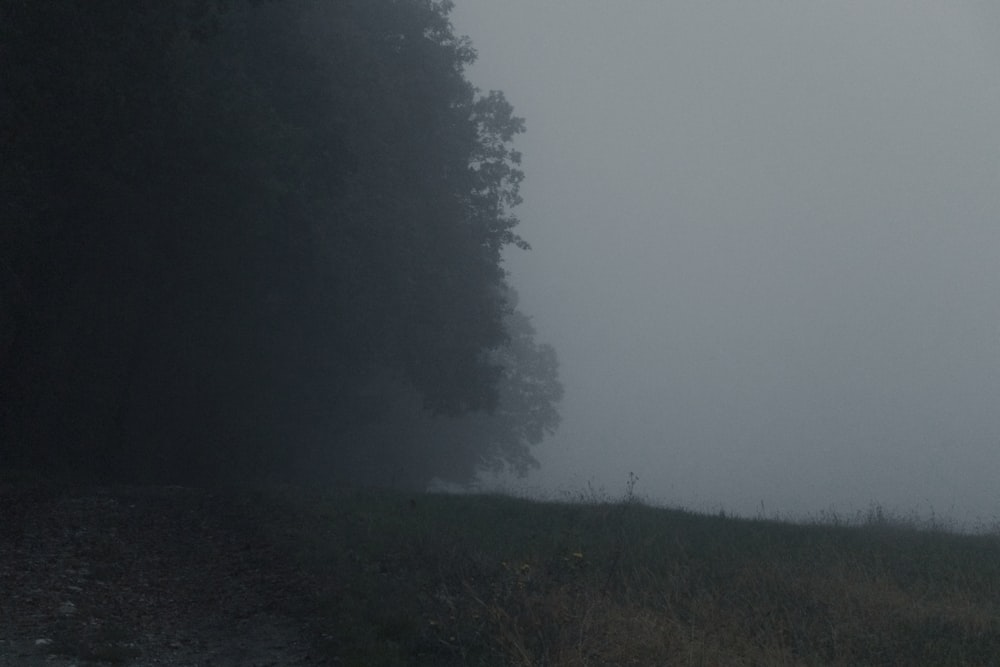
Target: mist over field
249	242
765	243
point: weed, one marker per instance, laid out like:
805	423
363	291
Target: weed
494	580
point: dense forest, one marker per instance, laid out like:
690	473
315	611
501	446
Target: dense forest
257	240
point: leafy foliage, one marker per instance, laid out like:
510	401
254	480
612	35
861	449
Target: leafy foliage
529	390
230	225
453	447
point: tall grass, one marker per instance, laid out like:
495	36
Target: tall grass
495	580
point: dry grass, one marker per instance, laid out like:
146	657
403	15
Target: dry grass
491	580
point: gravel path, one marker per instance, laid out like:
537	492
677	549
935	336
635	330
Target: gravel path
143	577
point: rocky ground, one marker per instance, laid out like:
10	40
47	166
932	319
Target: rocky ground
147	576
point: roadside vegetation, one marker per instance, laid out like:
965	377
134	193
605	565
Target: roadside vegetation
494	580
379	577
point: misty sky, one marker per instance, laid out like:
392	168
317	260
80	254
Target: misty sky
765	240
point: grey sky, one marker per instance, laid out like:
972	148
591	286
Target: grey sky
765	245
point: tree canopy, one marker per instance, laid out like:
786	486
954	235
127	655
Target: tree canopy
232	230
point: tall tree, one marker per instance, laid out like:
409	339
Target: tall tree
224	221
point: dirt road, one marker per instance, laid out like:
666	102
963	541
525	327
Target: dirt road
146	576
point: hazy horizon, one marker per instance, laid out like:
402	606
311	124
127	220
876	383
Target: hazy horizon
764	246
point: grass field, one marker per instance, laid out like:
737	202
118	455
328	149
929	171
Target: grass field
494	580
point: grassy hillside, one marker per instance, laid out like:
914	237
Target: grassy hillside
173	576
493	580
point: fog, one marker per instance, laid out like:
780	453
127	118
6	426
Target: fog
765	243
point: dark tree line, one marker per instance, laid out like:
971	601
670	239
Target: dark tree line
238	237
